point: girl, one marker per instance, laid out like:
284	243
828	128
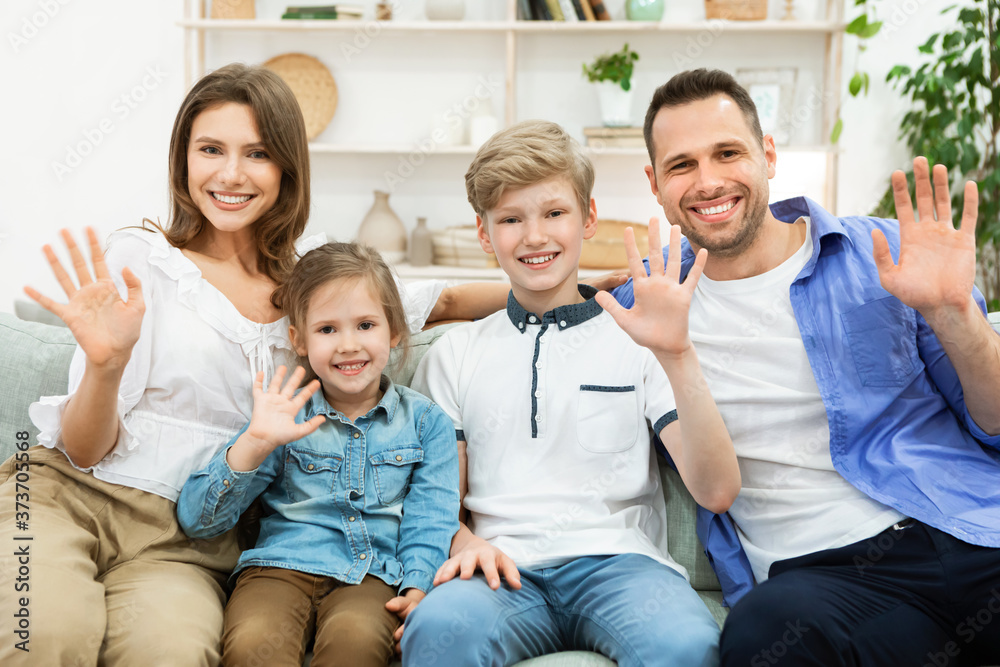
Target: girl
160	382
359	482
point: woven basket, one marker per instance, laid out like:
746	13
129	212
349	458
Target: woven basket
233	9
606	249
736	10
313	86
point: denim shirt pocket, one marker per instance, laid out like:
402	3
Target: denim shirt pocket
881	337
309	474
607	419
391	470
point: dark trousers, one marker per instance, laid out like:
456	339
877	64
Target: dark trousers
910	596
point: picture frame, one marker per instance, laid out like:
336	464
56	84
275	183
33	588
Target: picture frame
773	93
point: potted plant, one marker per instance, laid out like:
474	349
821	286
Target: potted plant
954	119
612	72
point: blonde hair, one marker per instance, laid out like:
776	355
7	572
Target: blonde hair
343	261
282	130
525	154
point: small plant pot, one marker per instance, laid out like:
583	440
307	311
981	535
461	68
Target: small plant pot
616	104
644	10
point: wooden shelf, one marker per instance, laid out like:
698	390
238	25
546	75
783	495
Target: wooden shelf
526	27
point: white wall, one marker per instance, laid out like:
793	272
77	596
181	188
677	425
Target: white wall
90	93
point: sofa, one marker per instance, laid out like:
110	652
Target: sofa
34	361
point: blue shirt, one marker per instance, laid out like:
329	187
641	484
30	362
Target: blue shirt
899	428
378	496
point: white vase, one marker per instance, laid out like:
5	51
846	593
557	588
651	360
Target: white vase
445	10
383	230
616	104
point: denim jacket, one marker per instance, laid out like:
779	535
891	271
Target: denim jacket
899	428
378	496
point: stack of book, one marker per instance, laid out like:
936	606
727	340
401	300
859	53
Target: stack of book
327	12
614	137
563	10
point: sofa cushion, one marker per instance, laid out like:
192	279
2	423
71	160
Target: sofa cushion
34	361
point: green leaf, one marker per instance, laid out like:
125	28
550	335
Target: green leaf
854	87
897	72
857	25
928	46
870	30
838	127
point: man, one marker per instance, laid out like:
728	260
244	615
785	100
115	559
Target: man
862	394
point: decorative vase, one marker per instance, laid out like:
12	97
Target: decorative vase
421	244
644	10
616	104
383	230
445	10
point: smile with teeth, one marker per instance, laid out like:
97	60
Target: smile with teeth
352	367
541	259
226	199
717	209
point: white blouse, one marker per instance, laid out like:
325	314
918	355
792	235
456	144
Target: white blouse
187	388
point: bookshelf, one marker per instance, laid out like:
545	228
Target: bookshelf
531	62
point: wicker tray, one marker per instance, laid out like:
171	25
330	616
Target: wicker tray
233	9
313	85
606	249
736	10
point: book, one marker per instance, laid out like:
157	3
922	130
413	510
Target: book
324	9
541	10
569	13
524	10
578	8
588	11
614	137
599	10
555	10
324	16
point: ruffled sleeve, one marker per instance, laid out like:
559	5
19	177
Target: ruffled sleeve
126	248
419	298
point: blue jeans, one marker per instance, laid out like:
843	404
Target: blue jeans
629	608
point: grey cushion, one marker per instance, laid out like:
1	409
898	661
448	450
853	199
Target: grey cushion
34	361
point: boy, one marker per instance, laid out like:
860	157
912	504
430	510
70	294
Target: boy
559	478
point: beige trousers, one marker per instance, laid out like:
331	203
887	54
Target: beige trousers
274	612
103	574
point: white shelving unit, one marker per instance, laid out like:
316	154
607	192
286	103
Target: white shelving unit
527	50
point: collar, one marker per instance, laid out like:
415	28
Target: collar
563	316
318	405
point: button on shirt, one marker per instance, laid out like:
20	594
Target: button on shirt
555	410
899	428
377	496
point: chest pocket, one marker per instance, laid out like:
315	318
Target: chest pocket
881	337
309	474
607	418
392	470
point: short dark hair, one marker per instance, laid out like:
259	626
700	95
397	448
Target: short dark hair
695	85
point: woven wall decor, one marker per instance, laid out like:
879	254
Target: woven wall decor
313	85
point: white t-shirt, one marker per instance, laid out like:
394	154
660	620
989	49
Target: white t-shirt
554	411
187	389
793	501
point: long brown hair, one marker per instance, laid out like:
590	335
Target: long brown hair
283	132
